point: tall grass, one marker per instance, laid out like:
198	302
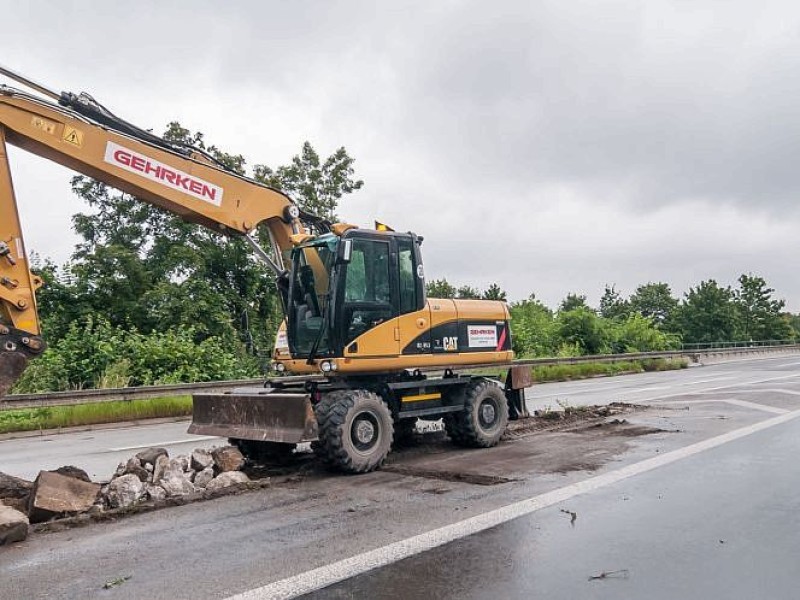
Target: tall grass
586	370
54	417
567	372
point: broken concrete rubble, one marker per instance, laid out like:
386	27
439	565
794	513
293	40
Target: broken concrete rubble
176	481
227	479
161	464
13	525
124	491
228	458
74	472
201	459
182	463
202	478
155	492
174	477
14	492
150	455
67	493
54	494
134	467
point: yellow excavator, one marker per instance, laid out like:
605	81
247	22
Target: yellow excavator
360	339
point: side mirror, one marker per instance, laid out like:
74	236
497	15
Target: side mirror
345	251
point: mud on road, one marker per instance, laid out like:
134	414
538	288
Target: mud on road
548	442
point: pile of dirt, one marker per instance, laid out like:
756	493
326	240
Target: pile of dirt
569	417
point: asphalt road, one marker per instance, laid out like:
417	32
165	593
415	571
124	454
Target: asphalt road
691	498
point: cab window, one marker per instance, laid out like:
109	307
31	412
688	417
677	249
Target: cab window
367	290
407	271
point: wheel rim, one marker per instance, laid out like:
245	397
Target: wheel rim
365	432
487	413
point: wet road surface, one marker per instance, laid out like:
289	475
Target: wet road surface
723	524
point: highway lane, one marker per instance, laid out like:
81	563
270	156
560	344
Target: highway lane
723	524
314	520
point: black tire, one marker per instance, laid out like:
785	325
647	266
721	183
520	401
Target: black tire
355	430
485	416
452	425
263	452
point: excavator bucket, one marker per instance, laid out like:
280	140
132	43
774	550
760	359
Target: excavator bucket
17	347
258	414
12	364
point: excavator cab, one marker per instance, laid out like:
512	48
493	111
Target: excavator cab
343	287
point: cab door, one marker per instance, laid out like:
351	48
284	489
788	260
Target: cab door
413	326
369	302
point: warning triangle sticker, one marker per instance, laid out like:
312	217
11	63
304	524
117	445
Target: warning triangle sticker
73	136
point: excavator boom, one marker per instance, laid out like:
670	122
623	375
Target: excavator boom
79	133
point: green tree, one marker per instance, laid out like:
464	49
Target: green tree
316	185
760	315
638	334
654	300
613	305
494	292
468	292
573	301
532	328
141	268
440	288
582	328
708	314
794	323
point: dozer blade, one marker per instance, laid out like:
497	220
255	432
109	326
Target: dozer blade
257	414
12	364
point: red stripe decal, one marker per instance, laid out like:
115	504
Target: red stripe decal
502	341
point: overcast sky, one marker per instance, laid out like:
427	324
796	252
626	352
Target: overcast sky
551	147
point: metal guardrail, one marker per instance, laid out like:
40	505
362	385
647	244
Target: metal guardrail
740	344
134	393
693	354
70	397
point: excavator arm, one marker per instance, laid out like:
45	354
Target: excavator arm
77	132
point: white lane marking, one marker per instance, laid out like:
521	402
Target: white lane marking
326	575
735	401
596	388
649	389
196	438
710	380
717	388
775	391
784	356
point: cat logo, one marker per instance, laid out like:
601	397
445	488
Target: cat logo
450	344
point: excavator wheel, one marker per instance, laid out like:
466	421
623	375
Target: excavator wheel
484	419
263	452
355	430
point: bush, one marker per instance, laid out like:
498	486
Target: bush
99	355
537	332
